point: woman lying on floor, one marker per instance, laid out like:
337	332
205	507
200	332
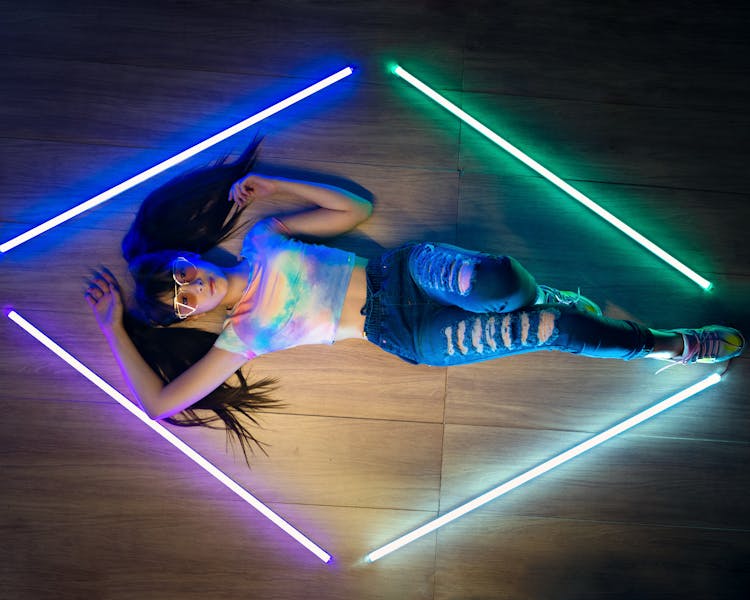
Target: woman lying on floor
427	303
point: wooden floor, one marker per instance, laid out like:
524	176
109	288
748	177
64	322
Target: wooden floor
642	106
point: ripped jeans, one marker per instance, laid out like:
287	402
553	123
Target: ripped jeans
441	305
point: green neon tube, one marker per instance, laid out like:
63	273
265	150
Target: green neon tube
547	174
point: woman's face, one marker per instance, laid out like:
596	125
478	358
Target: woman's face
200	286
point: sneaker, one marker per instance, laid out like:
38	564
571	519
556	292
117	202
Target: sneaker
550	295
710	344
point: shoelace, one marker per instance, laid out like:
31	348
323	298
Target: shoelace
704	344
681	360
557	296
697	346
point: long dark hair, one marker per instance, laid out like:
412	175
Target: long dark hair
190	213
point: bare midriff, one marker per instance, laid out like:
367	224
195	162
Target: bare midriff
352	322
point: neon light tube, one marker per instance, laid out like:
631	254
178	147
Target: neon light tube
170	162
543	468
547	174
170	437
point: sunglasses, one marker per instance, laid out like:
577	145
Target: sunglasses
185	301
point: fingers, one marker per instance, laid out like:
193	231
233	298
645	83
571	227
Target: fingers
96	290
245	190
101	284
107	275
240	195
99	280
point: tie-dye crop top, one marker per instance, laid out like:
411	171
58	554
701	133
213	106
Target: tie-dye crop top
294	296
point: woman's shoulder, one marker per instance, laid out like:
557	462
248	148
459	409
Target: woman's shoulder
264	234
269	224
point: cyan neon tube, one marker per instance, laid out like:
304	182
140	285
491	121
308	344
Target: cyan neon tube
543	468
170	437
551	177
178	158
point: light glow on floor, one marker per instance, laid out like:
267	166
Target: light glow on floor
178	158
551	177
543	468
170	437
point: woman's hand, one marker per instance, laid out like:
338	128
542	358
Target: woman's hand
250	188
103	296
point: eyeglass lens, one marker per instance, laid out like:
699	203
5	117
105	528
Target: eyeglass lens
184	271
186	301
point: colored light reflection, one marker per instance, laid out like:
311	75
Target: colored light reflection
551	177
170	437
178	158
543	468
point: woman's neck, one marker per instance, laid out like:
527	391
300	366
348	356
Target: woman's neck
237	277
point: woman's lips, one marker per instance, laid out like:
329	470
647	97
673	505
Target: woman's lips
212	286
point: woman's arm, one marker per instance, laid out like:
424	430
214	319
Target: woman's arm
338	210
156	399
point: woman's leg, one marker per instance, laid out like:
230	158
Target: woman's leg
409	313
452	336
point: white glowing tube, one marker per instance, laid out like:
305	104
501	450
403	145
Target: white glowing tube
547	174
170	437
170	162
543	468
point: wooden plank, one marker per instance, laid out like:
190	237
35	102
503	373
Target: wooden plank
311	460
549	391
488	557
98	468
71	173
83	538
121	104
610	483
340	461
621	144
366	382
702	229
147	107
608	53
219	38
